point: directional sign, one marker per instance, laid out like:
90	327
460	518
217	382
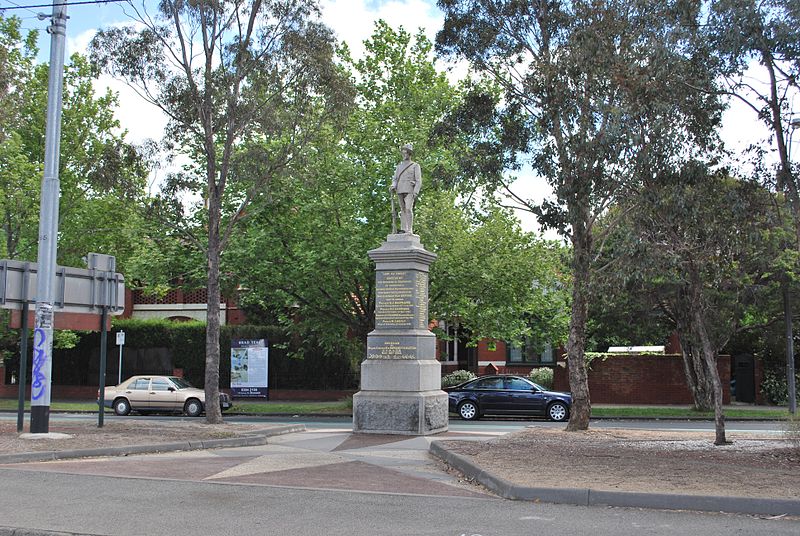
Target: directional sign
78	290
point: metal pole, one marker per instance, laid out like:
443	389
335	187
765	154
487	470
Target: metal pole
119	369
790	380
787	305
23	353
101	398
48	229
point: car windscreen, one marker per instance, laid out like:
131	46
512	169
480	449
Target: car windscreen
180	383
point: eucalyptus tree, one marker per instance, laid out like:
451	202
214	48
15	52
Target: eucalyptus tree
245	85
595	98
701	250
756	45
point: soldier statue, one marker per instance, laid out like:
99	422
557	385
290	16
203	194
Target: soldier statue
406	184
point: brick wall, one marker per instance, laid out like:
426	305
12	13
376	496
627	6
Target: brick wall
641	379
486	353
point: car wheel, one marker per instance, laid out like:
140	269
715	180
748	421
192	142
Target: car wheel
193	407
468	410
122	406
558	412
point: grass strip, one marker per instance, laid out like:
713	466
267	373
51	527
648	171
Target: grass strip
345	406
289	408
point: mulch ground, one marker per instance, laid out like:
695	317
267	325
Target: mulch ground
642	461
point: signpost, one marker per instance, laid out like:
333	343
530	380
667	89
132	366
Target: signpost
120	343
97	290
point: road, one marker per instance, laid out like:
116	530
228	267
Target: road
104	498
103	505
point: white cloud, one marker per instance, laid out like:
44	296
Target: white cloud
354	20
80	42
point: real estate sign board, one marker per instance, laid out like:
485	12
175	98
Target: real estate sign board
249	368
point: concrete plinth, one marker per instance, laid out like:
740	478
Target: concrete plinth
400	377
398	412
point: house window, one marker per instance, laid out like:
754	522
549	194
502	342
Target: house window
530	354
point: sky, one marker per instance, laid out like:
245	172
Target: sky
353	22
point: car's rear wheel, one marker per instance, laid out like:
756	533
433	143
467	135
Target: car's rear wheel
193	407
468	410
122	406
558	412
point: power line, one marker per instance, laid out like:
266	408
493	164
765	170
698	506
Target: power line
19	7
84	2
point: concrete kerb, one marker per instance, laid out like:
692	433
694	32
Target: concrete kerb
590	497
245	440
11	531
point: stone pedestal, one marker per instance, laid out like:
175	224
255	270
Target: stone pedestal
401	378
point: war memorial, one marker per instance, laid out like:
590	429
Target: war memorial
401	377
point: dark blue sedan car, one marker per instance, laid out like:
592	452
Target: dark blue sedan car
507	395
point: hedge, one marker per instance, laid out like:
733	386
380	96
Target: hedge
185	344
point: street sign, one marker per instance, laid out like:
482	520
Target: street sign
120	343
78	290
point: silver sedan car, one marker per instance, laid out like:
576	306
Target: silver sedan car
159	393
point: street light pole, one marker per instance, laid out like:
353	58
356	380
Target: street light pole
790	369
48	229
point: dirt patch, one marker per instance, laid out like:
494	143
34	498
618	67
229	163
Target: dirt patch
642	461
85	435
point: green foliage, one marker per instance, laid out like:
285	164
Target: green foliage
303	251
696	252
590	357
543	376
490	277
65	338
775	388
102	178
596	94
245	103
699	242
457	377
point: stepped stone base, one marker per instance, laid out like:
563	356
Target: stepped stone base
400	413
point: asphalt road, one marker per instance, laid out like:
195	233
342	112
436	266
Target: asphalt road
102	505
118	505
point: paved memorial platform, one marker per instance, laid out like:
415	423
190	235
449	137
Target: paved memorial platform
330	459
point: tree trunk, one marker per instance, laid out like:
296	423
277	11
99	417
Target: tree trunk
213	412
696	376
709	359
578	378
